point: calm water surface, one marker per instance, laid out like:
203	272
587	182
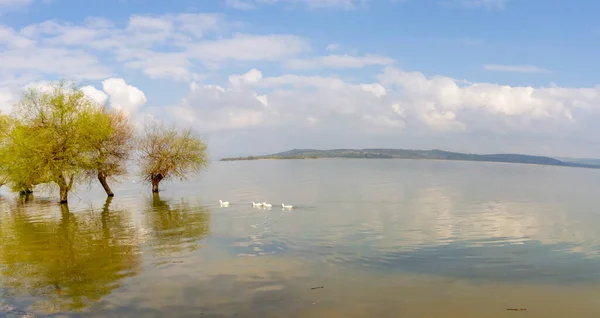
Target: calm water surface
384	238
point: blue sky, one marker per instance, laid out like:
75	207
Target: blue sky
255	76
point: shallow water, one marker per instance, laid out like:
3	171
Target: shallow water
384	238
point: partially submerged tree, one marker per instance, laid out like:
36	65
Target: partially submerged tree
20	160
110	144
49	142
166	153
4	131
13	156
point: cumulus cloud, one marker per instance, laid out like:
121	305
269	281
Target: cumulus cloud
438	99
95	94
290	101
251	77
229	92
399	101
123	96
115	93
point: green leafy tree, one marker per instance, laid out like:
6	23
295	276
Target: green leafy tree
16	167
166	153
49	142
110	142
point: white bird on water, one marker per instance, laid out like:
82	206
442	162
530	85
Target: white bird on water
224	203
266	205
254	204
283	206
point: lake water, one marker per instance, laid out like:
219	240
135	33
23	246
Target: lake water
383	238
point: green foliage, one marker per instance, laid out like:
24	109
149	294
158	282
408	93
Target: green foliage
109	141
49	140
166	153
57	135
109	144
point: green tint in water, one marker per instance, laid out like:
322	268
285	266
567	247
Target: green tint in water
385	238
65	261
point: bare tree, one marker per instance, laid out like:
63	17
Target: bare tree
166	153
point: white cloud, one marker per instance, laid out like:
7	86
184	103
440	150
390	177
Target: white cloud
214	108
400	101
148	23
122	96
95	94
162	47
375	88
14	3
244	47
8	97
180	47
515	68
116	93
300	82
439	100
332	47
240	4
55	61
251	77
198	24
173	66
12	40
339	61
291	100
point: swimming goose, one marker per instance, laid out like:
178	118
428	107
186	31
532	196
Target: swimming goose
254	204
287	206
266	205
224	203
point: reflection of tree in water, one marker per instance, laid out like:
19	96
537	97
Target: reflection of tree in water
67	263
176	227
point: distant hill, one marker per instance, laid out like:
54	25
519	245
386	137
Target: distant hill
416	154
587	161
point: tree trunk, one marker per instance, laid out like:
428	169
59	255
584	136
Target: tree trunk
63	194
25	192
155	181
102	179
64	188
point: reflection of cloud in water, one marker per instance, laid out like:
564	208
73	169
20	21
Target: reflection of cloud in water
438	218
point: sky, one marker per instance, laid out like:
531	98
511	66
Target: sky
261	76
